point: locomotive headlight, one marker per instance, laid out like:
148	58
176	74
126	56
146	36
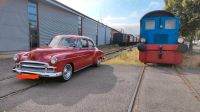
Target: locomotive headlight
16	57
180	40
143	40
54	60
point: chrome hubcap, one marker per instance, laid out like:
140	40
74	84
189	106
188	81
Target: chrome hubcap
67	73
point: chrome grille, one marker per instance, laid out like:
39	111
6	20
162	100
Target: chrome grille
34	66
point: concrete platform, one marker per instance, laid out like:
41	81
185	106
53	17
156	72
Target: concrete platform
107	88
164	91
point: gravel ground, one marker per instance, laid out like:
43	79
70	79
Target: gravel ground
6	65
164	91
107	88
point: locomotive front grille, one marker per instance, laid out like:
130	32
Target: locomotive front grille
161	38
31	66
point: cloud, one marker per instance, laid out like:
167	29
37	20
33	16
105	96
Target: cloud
133	28
154	4
88	7
128	23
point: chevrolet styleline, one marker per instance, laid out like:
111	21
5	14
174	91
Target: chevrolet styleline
64	55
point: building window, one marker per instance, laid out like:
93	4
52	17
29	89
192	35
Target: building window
33	23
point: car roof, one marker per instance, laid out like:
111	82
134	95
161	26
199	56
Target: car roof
73	36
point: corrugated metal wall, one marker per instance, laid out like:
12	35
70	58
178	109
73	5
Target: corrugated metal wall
89	28
14	28
108	35
55	21
101	34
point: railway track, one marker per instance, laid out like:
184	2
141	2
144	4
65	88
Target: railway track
9	77
18	91
187	82
116	53
132	105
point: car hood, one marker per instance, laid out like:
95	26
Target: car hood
44	54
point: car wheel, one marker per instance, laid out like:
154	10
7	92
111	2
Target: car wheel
98	62
67	73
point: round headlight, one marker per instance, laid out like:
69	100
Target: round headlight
16	57
54	60
143	40
180	40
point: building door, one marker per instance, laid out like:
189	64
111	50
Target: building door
33	23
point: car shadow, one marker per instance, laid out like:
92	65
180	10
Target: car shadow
92	80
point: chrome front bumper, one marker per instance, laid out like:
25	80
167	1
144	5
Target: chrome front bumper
34	67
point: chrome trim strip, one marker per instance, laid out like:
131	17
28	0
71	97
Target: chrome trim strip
83	68
79	56
35	62
32	66
56	74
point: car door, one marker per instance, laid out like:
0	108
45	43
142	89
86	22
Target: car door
84	52
91	51
78	60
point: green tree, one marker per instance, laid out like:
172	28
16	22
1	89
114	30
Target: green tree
189	13
198	35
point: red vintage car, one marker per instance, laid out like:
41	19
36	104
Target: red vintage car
64	55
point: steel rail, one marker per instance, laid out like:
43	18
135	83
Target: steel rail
18	91
136	91
188	83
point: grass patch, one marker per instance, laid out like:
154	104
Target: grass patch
191	60
126	57
108	48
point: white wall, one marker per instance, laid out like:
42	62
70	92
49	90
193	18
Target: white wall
55	21
101	34
89	28
14	28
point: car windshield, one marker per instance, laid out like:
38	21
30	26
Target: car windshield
62	41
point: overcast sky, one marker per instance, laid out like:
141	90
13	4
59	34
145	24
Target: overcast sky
118	14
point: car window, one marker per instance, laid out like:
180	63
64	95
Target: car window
84	43
150	24
91	44
170	24
68	42
78	44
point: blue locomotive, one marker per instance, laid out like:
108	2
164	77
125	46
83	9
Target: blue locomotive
160	42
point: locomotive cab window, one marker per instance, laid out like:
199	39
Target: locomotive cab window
170	24
150	24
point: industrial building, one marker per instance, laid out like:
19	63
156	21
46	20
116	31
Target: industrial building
27	24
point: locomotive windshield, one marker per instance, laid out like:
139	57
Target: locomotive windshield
150	24
170	24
